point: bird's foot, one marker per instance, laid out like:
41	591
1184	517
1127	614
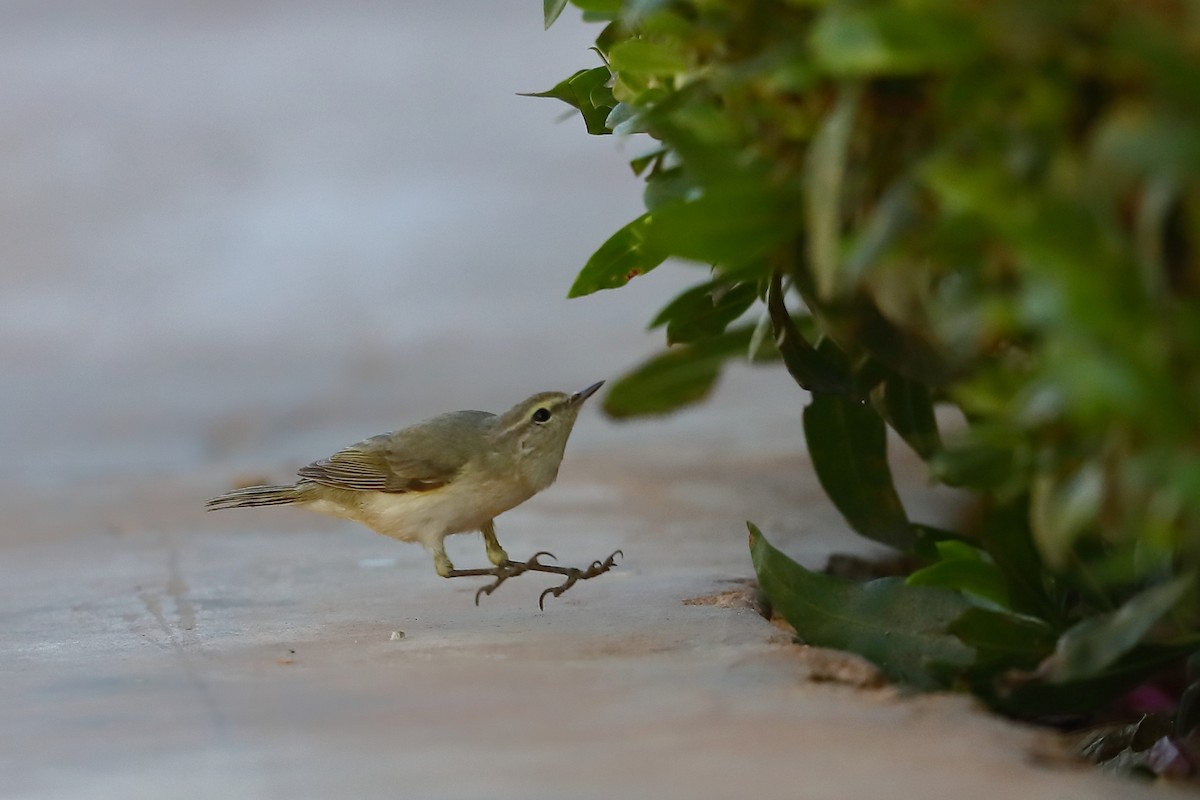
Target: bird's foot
573	574
511	569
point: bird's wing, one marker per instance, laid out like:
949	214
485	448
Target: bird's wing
417	459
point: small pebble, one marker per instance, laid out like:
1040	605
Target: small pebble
397	635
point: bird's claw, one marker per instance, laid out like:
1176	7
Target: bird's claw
558	590
509	569
600	567
574	575
533	561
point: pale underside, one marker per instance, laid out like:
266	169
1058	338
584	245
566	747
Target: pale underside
426	516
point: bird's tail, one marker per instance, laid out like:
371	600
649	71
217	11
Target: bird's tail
253	496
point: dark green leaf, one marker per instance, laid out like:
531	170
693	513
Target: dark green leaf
1187	718
848	444
1004	534
551	9
705	310
909	410
619	260
902	629
857	324
976	465
1092	645
808	367
683	375
1026	694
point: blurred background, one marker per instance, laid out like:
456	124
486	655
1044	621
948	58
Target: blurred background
249	234
237	236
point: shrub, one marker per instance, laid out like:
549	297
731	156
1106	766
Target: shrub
992	206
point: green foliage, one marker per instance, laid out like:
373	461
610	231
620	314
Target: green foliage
992	207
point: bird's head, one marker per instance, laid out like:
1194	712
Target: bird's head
535	431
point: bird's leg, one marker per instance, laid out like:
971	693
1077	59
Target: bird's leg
495	552
503	570
511	569
441	561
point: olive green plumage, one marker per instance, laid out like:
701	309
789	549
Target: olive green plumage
450	474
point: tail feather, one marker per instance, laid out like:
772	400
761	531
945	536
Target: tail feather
253	496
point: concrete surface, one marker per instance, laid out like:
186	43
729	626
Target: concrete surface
236	237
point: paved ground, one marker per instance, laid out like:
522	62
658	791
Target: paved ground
239	236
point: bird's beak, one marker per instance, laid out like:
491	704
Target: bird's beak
580	396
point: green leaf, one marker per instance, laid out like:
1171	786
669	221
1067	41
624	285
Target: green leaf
598	10
908	408
848	444
902	629
1097	642
891	39
623	257
624	120
551	9
703	136
1004	534
1137	140
639	164
731	224
892	216
824	170
588	91
860	325
667	187
643	57
1028	695
1061	509
683	375
970	576
1002	640
705	310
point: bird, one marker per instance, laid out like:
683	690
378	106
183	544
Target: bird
450	474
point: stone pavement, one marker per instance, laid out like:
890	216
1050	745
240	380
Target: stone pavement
240	236
160	652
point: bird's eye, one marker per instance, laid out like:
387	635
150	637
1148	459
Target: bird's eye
541	415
